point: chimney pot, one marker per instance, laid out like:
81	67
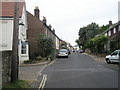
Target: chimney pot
110	23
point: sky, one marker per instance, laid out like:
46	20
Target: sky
68	16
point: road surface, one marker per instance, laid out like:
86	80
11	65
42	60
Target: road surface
79	71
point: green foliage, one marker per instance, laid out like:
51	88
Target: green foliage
28	61
103	28
64	45
97	43
114	45
87	33
18	84
46	45
38	58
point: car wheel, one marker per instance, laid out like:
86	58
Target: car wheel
108	61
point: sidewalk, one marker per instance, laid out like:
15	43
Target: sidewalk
96	57
35	64
31	72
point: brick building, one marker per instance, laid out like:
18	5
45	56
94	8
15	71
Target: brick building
113	33
37	27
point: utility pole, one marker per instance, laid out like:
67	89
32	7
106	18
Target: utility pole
15	61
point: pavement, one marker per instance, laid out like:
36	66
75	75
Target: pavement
96	57
31	72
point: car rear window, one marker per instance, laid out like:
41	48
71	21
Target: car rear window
62	51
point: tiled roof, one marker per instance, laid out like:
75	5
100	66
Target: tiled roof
8	9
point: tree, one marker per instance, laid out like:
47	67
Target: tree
46	45
87	32
103	28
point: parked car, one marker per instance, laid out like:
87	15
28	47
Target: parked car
114	57
69	51
81	51
63	53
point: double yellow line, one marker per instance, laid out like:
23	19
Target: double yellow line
42	84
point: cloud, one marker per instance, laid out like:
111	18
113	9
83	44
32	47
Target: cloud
67	16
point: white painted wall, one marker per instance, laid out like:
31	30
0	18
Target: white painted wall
23	36
119	11
57	43
7	34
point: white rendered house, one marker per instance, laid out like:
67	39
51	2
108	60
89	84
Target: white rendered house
6	20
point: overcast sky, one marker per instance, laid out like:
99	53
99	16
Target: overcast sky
67	16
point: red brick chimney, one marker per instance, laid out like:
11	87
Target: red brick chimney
110	23
36	12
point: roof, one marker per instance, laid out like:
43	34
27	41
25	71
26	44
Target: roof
113	26
8	9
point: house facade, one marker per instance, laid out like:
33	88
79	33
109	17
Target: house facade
113	33
37	27
7	20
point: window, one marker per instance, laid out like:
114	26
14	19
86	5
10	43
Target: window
114	53
23	48
109	33
119	28
114	30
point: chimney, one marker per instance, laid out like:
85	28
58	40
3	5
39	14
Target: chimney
44	20
53	30
110	23
50	27
36	12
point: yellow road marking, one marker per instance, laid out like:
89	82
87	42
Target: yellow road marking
42	84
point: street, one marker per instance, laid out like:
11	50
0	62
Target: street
79	71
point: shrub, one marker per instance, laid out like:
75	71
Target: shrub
46	45
38	58
28	61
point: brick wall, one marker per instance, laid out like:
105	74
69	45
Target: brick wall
35	28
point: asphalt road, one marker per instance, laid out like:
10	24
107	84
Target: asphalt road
79	71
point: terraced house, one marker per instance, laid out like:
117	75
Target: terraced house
113	33
36	26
